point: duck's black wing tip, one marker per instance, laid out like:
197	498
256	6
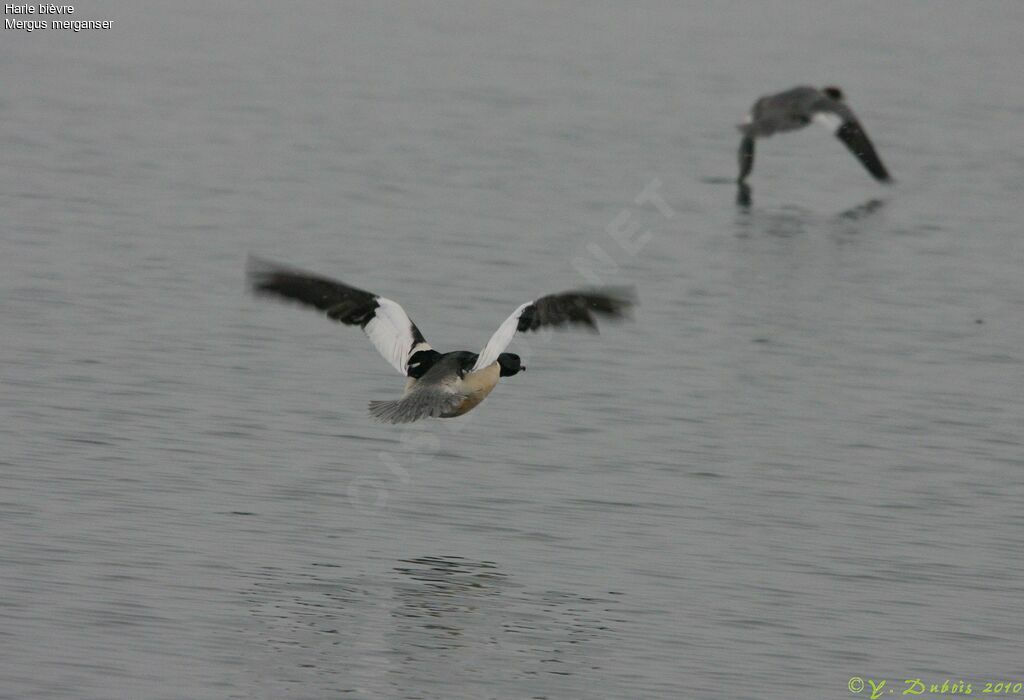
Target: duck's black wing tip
578	307
853	136
341	302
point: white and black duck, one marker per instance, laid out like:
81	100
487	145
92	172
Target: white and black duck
441	385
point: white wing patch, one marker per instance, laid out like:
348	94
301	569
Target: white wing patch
829	120
500	340
390	331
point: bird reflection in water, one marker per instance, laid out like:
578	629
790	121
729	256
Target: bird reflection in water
862	210
427	624
743	195
444	596
455	617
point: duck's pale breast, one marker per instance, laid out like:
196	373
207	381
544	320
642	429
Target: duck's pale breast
476	386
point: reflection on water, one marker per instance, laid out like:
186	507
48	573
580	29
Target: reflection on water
744	195
862	210
468	616
792	220
440	598
390	635
745	199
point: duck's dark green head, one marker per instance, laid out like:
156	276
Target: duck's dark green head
833	92
510	364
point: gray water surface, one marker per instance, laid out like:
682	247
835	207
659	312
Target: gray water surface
801	462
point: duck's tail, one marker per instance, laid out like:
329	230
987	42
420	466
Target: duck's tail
416	405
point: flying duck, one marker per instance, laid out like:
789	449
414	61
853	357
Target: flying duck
795	109
441	385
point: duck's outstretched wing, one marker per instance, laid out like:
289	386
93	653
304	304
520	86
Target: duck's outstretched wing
568	308
383	320
853	136
841	120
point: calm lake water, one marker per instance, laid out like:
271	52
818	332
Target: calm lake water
801	462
